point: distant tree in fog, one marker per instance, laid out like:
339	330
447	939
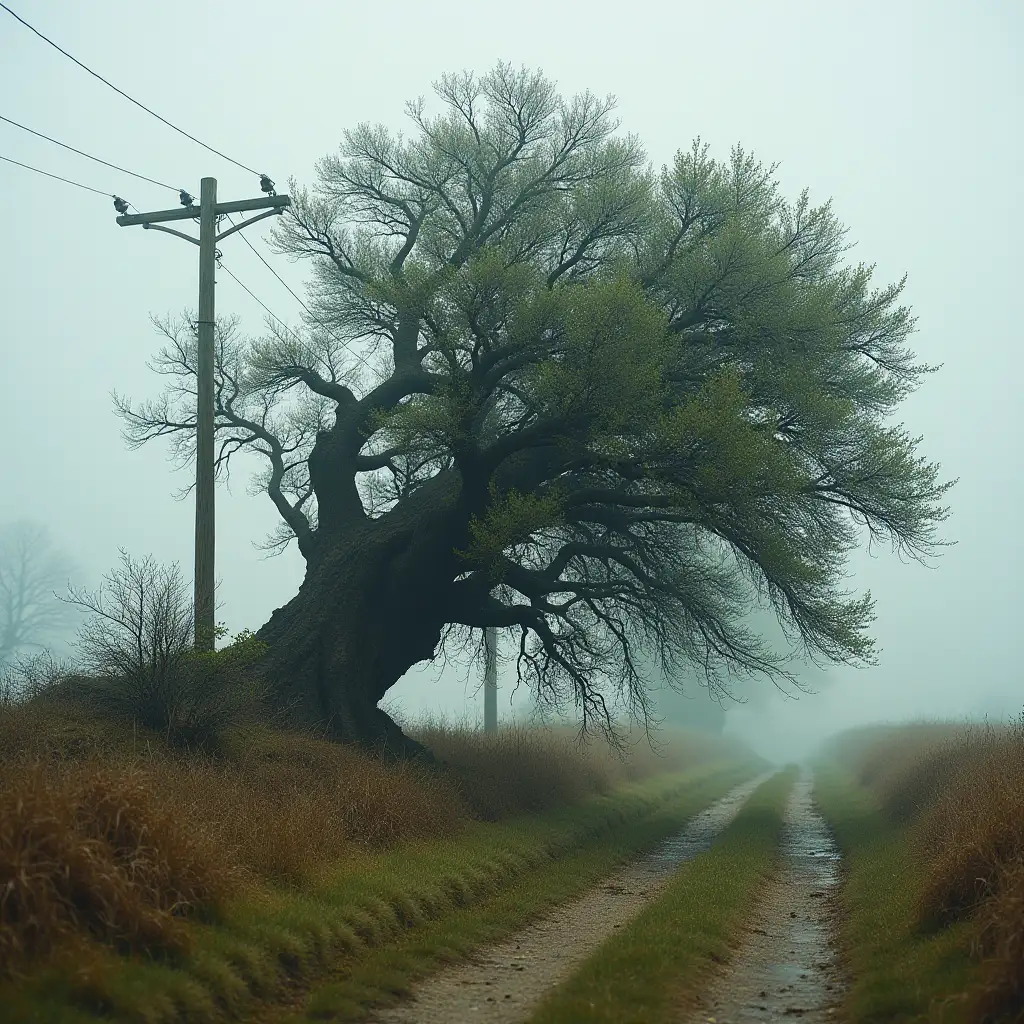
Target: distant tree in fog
32	570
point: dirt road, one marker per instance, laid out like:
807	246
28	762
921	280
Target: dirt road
786	968
502	984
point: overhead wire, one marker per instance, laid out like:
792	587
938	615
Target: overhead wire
88	156
255	251
264	180
69	181
242	285
220	263
252	295
344	344
121	92
259	256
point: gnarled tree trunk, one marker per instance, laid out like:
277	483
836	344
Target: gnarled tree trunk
372	605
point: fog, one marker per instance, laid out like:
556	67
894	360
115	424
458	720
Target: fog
907	114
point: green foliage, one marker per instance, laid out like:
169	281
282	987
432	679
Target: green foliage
510	521
244	651
680	362
607	374
216	690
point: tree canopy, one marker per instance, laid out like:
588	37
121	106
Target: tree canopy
644	403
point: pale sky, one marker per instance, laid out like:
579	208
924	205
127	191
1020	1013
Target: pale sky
907	114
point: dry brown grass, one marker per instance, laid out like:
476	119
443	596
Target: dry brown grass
521	770
291	803
1001	946
962	787
974	827
92	849
113	834
904	766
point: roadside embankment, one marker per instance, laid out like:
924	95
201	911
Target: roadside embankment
144	883
930	820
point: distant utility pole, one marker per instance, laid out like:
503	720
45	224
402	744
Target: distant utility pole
490	679
209	213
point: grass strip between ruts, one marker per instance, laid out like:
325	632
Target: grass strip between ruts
646	972
379	923
897	973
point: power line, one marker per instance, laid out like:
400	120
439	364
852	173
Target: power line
121	92
88	156
272	314
29	167
345	345
277	275
253	296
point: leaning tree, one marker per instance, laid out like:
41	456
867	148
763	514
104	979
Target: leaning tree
545	388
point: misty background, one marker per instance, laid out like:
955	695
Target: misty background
907	114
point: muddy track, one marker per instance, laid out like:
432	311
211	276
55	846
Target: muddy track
503	983
786	967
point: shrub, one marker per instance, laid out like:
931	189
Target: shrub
137	647
291	804
516	770
1001	944
906	766
28	677
523	770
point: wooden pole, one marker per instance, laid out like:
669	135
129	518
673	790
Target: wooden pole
205	512
490	679
209	211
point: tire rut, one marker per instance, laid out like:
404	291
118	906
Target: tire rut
787	967
503	983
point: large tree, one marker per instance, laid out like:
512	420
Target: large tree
546	388
32	569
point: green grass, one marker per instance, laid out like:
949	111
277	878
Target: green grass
897	973
367	931
646	972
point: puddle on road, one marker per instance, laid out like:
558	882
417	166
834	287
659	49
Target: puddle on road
787	967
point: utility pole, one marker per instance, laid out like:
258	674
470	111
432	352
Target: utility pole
209	215
490	679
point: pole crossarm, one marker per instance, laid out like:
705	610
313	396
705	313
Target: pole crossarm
148	226
272	203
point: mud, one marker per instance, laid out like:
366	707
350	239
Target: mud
503	984
786	967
